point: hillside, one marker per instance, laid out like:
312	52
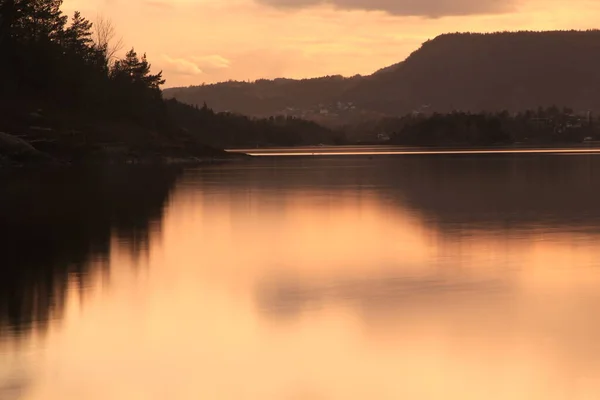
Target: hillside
226	130
475	72
462	71
267	97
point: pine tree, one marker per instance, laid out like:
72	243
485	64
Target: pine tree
49	59
37	20
137	71
78	36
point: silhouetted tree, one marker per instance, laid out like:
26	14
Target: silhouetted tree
45	58
77	38
105	39
136	71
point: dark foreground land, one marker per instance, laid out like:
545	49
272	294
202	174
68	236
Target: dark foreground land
66	99
40	137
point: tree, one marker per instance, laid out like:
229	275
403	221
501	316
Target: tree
137	71
36	20
78	36
104	39
46	58
8	13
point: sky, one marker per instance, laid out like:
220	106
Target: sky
207	41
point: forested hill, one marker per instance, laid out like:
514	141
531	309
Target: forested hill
266	97
500	71
462	71
226	130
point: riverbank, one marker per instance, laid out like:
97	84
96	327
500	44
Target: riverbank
16	152
384	150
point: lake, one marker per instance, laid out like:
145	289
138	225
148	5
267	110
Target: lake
421	276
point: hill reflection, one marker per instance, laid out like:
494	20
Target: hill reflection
478	191
58	225
506	200
504	192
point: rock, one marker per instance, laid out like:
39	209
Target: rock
12	144
17	150
41	128
38	114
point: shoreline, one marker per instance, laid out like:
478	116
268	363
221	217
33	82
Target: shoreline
16	152
386	150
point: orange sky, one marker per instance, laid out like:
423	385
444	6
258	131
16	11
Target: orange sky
196	41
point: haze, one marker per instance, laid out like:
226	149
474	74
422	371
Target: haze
206	41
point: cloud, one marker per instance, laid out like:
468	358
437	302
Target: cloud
425	8
194	65
181	66
212	62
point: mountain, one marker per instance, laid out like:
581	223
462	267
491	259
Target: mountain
476	72
460	71
391	68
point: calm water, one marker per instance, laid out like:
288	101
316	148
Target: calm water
389	277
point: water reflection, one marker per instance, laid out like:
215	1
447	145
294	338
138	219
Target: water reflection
308	278
282	298
58	227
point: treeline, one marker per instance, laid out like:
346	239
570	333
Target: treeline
66	98
544	125
227	130
48	59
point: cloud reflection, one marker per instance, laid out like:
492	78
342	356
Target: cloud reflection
13	390
285	297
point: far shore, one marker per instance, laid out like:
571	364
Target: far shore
401	149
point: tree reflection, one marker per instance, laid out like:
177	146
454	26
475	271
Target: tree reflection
57	225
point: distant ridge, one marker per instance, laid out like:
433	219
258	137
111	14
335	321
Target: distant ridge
458	71
391	68
266	97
